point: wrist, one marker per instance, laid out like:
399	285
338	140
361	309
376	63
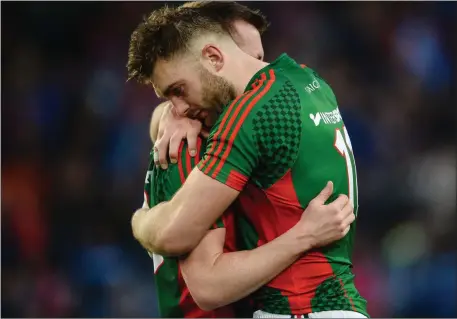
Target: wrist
303	238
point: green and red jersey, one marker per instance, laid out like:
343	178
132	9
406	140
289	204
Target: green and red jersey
174	298
279	143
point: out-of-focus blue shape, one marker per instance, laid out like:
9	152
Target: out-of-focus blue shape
418	44
426	289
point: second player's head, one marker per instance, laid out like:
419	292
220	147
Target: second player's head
190	55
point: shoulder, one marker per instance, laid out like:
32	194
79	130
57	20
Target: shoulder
263	91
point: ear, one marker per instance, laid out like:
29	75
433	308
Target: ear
213	56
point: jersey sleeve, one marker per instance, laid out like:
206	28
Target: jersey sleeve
167	182
232	152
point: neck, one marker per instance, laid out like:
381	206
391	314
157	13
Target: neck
249	66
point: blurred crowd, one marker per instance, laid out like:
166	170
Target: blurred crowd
75	148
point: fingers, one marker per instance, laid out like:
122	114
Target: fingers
340	202
192	142
348	217
347	210
173	148
161	152
346	231
325	193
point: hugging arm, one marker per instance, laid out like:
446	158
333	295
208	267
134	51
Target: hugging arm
208	268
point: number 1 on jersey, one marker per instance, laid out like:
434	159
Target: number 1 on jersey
344	147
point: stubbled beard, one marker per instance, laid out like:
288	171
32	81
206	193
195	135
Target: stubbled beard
217	91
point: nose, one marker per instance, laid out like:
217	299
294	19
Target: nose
180	105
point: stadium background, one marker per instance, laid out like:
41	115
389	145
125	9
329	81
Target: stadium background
75	148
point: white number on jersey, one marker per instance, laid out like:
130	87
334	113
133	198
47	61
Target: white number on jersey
344	147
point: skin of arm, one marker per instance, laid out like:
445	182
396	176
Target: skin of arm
176	227
207	268
155	121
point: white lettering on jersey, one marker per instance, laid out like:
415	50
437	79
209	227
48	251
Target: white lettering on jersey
313	86
316	118
332	117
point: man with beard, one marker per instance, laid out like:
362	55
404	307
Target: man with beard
190	287
262	136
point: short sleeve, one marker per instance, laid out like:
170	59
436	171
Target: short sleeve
232	152
258	139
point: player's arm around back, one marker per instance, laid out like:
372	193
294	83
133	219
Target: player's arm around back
216	279
207	268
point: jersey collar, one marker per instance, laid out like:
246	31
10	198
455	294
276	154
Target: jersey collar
282	61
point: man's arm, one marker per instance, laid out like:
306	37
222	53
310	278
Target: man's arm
208	268
177	226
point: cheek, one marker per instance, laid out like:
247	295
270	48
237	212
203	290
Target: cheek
195	91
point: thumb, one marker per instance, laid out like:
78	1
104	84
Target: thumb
325	194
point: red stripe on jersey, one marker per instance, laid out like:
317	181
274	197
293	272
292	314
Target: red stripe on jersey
236	180
146	198
219	130
180	163
232	109
281	211
300	281
188	163
230	234
248	109
346	295
199	149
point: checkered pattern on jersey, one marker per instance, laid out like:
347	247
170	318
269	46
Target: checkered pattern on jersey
331	295
277	129
160	176
271	300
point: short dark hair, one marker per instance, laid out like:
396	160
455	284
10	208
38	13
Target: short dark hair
228	11
167	31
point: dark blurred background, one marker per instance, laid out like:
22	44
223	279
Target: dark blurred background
75	148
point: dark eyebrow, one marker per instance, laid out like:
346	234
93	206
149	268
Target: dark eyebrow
166	92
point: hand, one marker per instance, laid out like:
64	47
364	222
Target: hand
172	130
323	224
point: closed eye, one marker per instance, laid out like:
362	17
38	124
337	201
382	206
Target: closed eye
177	91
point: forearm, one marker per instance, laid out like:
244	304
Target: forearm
176	227
243	272
150	227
